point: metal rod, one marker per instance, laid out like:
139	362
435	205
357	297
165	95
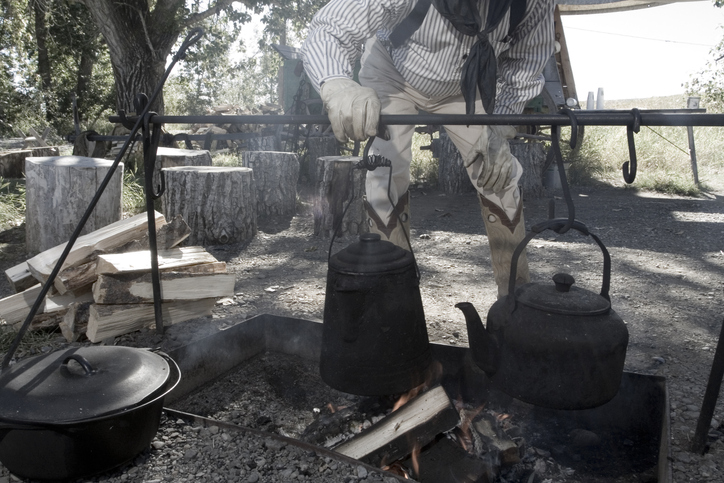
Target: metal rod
605	118
698	445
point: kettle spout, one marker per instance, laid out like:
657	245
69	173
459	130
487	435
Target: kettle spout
484	347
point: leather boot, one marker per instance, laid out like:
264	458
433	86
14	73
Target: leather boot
392	231
504	235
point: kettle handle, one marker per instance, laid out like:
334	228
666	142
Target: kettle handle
555	225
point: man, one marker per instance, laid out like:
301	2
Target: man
441	57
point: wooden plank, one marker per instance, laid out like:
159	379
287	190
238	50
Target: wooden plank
39	140
131	288
75	321
102	240
20	278
76	280
141	260
415	424
113	320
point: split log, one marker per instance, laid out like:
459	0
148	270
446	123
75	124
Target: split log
218	203
57	193
15	308
452	177
102	240
415	424
78	280
20	277
129	288
275	176
12	163
532	156
317	147
75	321
113	320
141	261
336	182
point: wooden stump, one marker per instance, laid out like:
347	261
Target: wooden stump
58	192
275	176
532	156
263	143
332	193
172	157
452	178
318	146
218	203
12	163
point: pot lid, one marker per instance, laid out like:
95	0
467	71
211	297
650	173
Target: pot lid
80	383
562	298
370	255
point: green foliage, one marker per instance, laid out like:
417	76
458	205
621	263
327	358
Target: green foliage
12	202
133	195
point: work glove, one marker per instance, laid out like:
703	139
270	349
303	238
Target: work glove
492	151
353	110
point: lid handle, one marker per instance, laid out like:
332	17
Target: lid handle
563	282
89	370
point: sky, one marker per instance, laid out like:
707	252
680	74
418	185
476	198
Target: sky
642	53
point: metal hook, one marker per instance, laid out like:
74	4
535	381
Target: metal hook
629	167
193	36
574	126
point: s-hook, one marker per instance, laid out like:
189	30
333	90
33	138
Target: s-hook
629	167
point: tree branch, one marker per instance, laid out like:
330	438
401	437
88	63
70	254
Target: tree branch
195	19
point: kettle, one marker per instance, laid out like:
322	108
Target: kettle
551	345
374	335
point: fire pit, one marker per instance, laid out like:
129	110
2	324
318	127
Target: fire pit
623	440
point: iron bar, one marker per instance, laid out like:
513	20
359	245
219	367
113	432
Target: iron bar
583	118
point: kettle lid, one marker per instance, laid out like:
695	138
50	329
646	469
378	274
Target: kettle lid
562	298
370	255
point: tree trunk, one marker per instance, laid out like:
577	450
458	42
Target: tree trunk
58	191
452	177
532	156
275	175
41	36
218	203
336	179
139	42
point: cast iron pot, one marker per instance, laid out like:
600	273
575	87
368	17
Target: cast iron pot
555	346
79	412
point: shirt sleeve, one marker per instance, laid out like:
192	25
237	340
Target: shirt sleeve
520	68
339	31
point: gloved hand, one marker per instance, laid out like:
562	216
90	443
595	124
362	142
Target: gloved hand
492	151
353	110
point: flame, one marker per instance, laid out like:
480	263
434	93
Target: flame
405	398
415	458
332	408
465	437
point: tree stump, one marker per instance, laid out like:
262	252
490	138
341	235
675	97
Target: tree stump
532	156
172	157
318	146
58	192
12	163
333	190
263	143
275	175
452	178
218	203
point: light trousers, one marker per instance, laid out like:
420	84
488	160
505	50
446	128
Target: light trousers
398	97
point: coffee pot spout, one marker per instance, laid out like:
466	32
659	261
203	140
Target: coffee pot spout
483	346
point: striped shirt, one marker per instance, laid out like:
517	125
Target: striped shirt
431	60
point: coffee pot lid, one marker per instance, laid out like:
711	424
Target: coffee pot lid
370	255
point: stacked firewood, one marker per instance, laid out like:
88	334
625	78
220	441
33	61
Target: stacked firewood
232	110
104	288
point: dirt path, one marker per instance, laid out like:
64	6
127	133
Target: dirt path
667	282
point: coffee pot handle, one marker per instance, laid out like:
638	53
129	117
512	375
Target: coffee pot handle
555	225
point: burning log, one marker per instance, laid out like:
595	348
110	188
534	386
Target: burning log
413	425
